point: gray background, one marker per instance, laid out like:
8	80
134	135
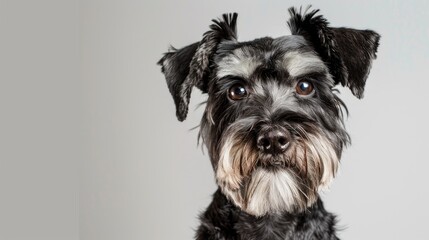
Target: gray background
90	147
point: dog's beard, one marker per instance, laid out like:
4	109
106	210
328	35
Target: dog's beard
262	184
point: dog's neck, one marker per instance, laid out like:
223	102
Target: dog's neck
222	218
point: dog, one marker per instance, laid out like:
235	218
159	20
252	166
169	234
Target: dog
273	121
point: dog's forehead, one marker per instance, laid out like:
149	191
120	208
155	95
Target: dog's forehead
283	56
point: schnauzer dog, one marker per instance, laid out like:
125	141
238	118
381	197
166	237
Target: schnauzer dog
273	122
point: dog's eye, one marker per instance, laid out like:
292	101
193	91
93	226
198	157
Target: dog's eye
304	87
237	92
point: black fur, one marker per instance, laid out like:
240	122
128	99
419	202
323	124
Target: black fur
189	66
176	74
347	52
267	195
224	221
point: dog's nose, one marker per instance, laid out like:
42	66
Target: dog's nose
273	141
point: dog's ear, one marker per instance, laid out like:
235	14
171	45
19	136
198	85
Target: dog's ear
191	65
347	52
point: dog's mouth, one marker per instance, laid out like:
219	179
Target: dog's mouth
275	160
270	161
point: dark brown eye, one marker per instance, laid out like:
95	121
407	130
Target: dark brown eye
304	88
237	92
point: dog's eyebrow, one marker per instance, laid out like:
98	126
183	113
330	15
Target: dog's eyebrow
311	75
299	63
238	64
227	80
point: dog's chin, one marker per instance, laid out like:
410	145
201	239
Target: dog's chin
272	189
276	184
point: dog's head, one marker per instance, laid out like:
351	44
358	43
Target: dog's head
273	122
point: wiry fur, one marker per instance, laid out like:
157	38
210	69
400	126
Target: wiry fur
191	64
270	194
347	52
309	165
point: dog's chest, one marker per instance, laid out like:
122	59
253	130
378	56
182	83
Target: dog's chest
272	228
318	224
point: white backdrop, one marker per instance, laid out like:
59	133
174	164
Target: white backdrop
91	147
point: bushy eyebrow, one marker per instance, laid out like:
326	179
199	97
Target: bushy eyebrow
229	79
299	63
237	65
311	75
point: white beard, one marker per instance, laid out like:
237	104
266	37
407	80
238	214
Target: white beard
258	190
274	192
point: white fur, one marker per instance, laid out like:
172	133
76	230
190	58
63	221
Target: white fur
299	63
238	64
272	192
321	148
225	172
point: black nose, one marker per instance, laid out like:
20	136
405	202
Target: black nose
273	141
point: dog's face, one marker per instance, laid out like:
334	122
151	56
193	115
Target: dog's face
273	124
273	121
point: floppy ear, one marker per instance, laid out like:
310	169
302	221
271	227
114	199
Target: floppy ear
190	66
347	52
